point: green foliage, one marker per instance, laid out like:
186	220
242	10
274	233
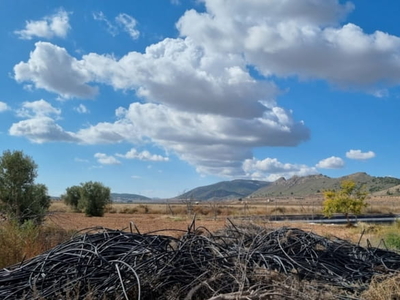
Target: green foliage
90	198
349	199
392	240
20	198
72	196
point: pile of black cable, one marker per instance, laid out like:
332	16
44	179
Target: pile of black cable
246	262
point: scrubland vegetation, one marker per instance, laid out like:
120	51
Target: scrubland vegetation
19	243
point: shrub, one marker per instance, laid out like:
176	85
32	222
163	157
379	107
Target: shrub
90	198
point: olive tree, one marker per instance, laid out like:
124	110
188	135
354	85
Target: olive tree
349	199
20	198
72	196
90	198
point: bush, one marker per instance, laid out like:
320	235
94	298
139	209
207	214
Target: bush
94	198
90	198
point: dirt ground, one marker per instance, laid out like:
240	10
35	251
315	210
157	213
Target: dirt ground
177	225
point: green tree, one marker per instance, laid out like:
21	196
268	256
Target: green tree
20	198
90	198
349	199
72	196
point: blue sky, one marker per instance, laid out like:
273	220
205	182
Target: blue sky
157	97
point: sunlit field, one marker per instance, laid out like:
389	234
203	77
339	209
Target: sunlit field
173	218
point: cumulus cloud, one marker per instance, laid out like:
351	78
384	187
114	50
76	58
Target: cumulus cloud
109	133
199	99
302	38
359	155
332	162
3	106
271	169
106	159
39	125
129	25
144	155
213	144
56	25
41	129
51	68
178	73
39	108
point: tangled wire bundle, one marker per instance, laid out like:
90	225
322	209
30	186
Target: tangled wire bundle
234	263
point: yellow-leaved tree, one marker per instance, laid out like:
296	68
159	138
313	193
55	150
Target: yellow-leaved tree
349	199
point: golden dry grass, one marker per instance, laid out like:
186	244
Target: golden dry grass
155	217
168	218
383	288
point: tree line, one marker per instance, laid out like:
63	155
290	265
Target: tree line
22	199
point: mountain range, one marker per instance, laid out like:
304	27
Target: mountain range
129	198
225	190
297	186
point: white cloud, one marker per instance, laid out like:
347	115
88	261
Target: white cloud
297	37
179	74
359	155
207	108
39	108
129	25
271	169
144	155
124	21
111	28
199	99
56	25
3	106
106	159
332	162
214	144
41	129
109	133
53	69
82	109
39	125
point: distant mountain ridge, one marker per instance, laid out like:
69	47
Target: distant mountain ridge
125	197
315	184
297	186
234	189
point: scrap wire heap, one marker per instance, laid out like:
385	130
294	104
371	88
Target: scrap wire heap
113	264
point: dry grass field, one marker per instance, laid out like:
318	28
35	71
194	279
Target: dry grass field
173	219
169	218
212	216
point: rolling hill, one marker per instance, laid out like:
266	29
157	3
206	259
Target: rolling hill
296	186
314	184
129	198
224	190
